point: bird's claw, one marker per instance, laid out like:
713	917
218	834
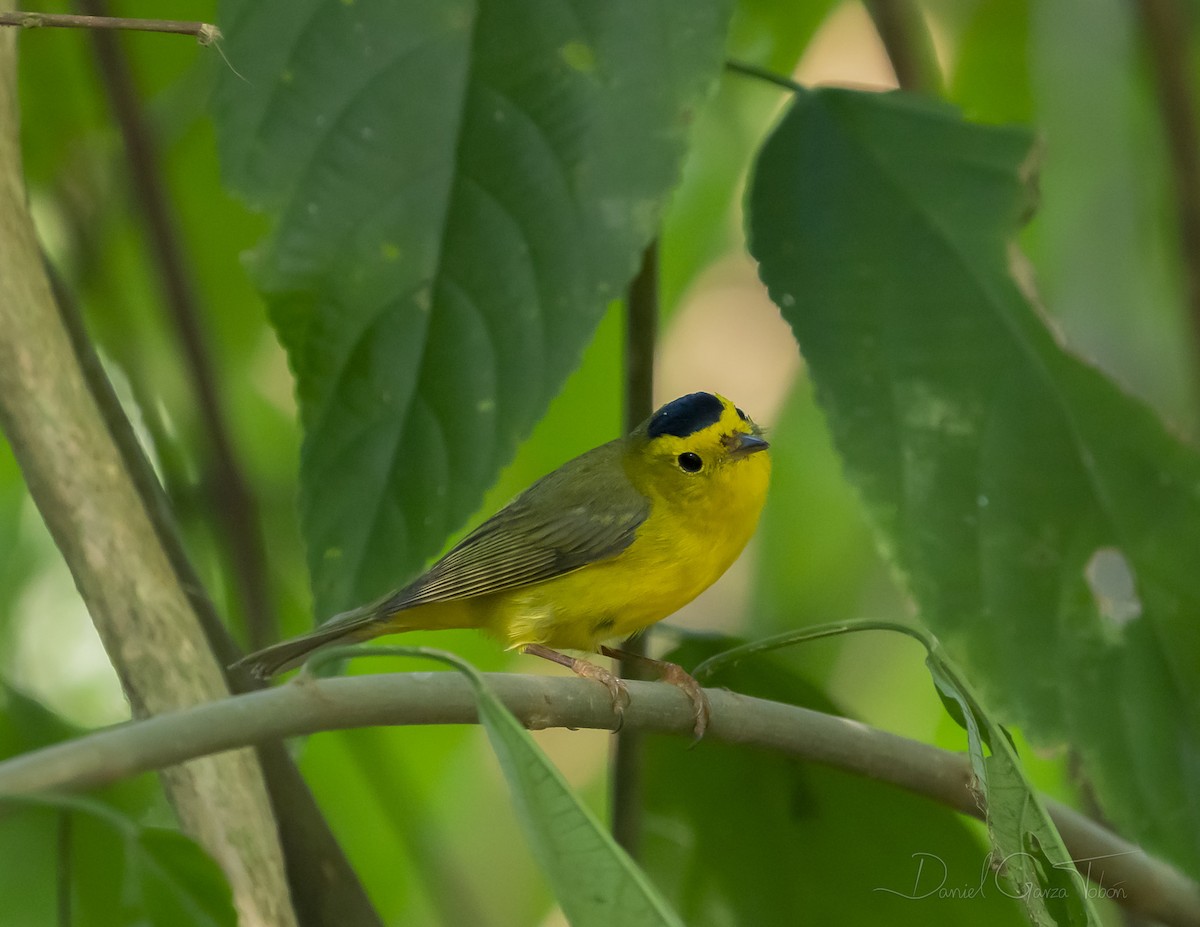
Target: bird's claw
677	676
617	689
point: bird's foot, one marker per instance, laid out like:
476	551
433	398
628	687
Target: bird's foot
677	676
617	689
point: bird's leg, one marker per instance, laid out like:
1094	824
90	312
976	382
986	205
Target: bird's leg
676	675
616	687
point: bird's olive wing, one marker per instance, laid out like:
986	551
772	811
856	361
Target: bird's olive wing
584	512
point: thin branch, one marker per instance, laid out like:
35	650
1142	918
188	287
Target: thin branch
909	46
93	510
232	501
641	338
1167	32
325	889
308	705
205	33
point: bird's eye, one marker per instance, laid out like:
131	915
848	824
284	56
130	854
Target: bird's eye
742	415
689	462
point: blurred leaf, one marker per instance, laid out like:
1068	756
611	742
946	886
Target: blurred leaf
995	464
741	836
176	882
460	190
26	724
698	225
1106	242
830	569
120	872
991	73
16	560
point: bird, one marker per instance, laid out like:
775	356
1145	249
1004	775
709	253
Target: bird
605	546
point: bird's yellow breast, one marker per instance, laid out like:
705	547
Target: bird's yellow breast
686	543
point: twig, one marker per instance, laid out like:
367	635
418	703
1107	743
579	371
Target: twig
641	335
908	44
309	705
205	33
1167	33
107	538
325	889
641	338
233	503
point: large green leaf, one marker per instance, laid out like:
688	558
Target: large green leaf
460	189
1006	476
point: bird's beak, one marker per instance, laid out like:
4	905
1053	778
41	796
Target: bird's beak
743	445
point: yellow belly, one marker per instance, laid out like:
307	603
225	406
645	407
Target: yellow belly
655	576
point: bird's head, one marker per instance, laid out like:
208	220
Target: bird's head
701	446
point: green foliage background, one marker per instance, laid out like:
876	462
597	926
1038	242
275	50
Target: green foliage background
390	424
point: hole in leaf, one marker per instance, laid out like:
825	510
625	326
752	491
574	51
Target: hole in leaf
1113	586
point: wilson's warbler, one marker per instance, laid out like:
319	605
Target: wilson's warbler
603	547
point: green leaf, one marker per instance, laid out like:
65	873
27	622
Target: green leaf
1026	846
999	469
991	74
176	882
1027	851
741	836
594	880
459	190
168	881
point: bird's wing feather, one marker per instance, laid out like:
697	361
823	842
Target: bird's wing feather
565	521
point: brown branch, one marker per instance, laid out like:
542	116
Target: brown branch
908	43
232	501
1166	31
77	478
205	33
641	336
325	889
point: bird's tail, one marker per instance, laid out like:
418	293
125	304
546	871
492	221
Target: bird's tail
358	624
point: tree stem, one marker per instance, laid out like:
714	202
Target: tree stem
641	332
908	43
232	502
93	509
1166	32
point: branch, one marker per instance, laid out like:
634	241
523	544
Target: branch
909	46
309	705
91	506
1167	32
641	335
205	33
229	494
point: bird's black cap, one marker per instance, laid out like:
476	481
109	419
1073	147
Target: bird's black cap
685	416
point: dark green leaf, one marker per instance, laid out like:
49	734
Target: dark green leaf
460	189
1028	851
740	836
119	872
177	883
998	467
